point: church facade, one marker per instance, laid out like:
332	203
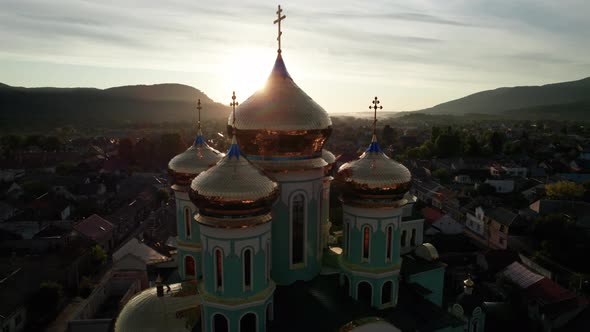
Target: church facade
253	225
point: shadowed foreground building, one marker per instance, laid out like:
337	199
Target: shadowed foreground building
253	239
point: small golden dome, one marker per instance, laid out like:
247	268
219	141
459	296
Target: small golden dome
468	282
328	157
280	121
375	176
196	159
233	187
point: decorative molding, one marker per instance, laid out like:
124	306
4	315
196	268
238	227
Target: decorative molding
225	245
253	243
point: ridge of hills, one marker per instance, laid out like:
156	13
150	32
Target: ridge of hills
566	98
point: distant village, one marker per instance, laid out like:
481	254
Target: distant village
86	222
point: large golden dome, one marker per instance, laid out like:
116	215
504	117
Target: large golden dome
280	121
233	187
196	159
374	176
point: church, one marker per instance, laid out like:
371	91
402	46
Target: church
256	248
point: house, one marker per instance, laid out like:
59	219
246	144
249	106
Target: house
98	230
501	186
500	221
424	189
549	304
445	225
508	169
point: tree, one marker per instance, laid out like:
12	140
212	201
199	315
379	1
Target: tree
50	294
86	287
564	190
497	142
51	143
388	135
443	175
472	146
99	256
448	145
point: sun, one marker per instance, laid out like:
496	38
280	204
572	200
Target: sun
247	70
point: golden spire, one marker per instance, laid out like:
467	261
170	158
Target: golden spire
375	107
199	108
278	20
233	104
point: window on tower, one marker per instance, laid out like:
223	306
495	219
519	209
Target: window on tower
389	243
247	269
404	235
413	238
218	270
298	230
346	239
366	244
187	222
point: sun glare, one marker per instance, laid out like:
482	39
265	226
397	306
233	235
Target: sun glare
247	70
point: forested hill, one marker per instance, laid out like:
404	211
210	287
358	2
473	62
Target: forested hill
522	99
83	107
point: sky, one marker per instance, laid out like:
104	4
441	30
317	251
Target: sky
413	54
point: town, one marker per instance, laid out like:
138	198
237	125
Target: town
88	222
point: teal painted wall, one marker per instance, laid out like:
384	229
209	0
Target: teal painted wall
181	204
234	315
433	280
182	253
233	270
283	273
376	288
377	244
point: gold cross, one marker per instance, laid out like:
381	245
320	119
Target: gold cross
278	20
199	108
233	104
375	107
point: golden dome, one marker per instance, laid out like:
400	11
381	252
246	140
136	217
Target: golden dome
375	176
171	312
196	159
280	121
233	186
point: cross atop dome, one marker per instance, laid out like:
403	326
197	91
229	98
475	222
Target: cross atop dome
234	149
374	147
278	20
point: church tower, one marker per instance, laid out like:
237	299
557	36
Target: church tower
183	169
282	130
470	307
234	199
373	189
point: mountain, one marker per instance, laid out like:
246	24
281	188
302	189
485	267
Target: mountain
89	107
519	98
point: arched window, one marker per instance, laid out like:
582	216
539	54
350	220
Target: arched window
218	270
346	239
404	234
389	243
187	222
248	323
220	323
269	314
413	238
247	262
366	242
474	326
189	266
346	285
365	293
267	265
386	291
298	230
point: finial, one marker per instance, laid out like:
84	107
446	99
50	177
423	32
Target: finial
233	104
199	108
278	20
234	150
375	107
